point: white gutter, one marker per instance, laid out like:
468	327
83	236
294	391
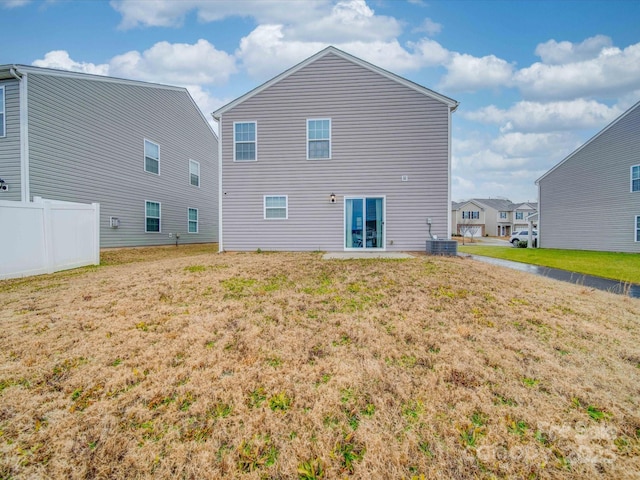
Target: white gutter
25	193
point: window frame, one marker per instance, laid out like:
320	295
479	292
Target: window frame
3	112
519	215
146	140
472	214
286	207
632	179
197	164
255	141
503	215
146	216
309	157
637	229
197	220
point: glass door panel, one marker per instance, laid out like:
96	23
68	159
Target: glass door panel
364	225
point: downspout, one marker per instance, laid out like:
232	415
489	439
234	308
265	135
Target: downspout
451	110
218	120
25	194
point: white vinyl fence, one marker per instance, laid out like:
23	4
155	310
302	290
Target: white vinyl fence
45	236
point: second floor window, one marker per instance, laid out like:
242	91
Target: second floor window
319	138
194	173
635	178
503	215
244	141
470	215
151	157
519	215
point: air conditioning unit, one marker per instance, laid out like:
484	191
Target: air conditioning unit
442	247
114	222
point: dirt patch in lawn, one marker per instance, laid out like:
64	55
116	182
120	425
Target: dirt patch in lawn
287	366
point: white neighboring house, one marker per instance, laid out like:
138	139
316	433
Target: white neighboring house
591	199
490	216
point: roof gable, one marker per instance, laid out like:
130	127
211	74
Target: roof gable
588	142
452	104
469	202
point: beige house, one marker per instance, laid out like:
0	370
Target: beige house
490	216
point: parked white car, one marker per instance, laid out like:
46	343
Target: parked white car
523	235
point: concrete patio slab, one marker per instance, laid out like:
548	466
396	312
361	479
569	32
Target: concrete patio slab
364	255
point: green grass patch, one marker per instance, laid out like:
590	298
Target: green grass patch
624	267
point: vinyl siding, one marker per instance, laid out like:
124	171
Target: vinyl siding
10	144
86	141
380	131
586	202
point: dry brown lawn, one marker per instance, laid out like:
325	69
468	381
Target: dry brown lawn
183	363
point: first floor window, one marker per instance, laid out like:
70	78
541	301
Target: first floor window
275	207
151	157
319	138
2	114
193	220
635	178
244	141
638	228
194	173
152	217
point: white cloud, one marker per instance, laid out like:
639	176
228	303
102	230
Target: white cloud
526	116
429	27
348	20
176	63
14	3
558	53
612	72
59	59
468	73
528	145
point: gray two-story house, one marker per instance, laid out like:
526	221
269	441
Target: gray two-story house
591	199
143	151
335	154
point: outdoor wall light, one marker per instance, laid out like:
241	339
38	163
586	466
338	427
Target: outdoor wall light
333	198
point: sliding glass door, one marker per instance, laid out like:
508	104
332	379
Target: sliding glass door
364	222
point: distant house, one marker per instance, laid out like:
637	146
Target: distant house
143	151
591	199
335	154
490	216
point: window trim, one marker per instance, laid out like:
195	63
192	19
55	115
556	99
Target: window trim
330	139
471	215
197	220
159	217
503	215
144	160
521	217
286	207
3	134
194	162
255	141
632	179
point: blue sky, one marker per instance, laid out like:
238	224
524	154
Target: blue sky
535	79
